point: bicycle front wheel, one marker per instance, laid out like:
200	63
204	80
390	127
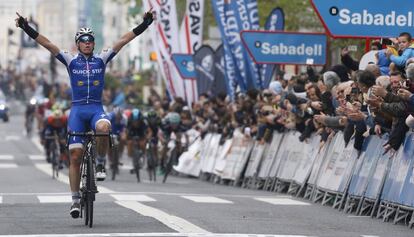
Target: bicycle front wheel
90	193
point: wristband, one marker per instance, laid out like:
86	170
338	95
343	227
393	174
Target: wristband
139	29
27	28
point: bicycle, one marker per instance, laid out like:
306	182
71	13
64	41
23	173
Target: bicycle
137	157
115	153
151	156
172	156
29	124
54	154
88	179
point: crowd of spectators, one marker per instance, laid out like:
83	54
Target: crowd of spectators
360	103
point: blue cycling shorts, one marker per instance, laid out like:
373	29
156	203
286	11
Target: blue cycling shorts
83	118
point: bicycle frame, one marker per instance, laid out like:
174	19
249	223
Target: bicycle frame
87	174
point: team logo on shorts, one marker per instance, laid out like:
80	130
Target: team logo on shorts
80	83
96	83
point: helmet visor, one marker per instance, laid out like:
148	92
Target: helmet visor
86	38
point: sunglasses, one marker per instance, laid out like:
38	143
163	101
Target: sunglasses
86	38
267	95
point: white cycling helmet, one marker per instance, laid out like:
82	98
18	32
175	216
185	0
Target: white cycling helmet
84	31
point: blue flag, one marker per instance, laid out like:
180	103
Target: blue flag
275	21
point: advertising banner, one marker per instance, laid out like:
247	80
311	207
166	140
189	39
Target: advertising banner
365	19
271	47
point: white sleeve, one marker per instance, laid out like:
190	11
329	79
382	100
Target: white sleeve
64	57
107	55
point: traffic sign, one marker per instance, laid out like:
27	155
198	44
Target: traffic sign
185	65
365	19
275	47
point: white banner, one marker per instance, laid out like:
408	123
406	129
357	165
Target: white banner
164	35
190	162
270	155
191	38
222	157
191	31
236	152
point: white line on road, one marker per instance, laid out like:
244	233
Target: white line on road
207	199
47	169
39	146
6	157
359	217
37	157
1	199
55	199
174	222
8	166
157	235
137	198
12	138
282	201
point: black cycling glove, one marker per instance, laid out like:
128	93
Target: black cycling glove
27	28
148	19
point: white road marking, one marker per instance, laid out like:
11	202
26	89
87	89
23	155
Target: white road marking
359	217
174	222
39	146
6	157
158	235
207	199
37	157
12	138
8	166
282	201
137	198
55	199
47	169
1	199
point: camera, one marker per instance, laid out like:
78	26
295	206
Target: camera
354	90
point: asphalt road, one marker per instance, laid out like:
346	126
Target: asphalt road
33	204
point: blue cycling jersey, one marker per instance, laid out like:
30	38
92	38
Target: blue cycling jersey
86	75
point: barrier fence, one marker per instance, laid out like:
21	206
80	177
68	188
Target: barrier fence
366	182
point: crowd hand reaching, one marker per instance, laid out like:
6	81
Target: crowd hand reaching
404	94
387	148
379	91
357	116
316	105
377	130
320	118
345	51
375	102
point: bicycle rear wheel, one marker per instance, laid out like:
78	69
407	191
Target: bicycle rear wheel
54	160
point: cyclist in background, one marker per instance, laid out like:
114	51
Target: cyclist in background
154	122
136	133
86	71
118	129
172	124
55	124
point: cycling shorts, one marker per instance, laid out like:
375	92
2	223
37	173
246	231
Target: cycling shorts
82	118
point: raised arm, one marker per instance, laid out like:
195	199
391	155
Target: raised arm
42	40
125	39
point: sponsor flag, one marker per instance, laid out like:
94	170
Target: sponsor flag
221	84
204	67
275	21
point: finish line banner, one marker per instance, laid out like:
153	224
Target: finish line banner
269	47
365	19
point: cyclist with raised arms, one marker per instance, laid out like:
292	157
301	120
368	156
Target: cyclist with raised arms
86	71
